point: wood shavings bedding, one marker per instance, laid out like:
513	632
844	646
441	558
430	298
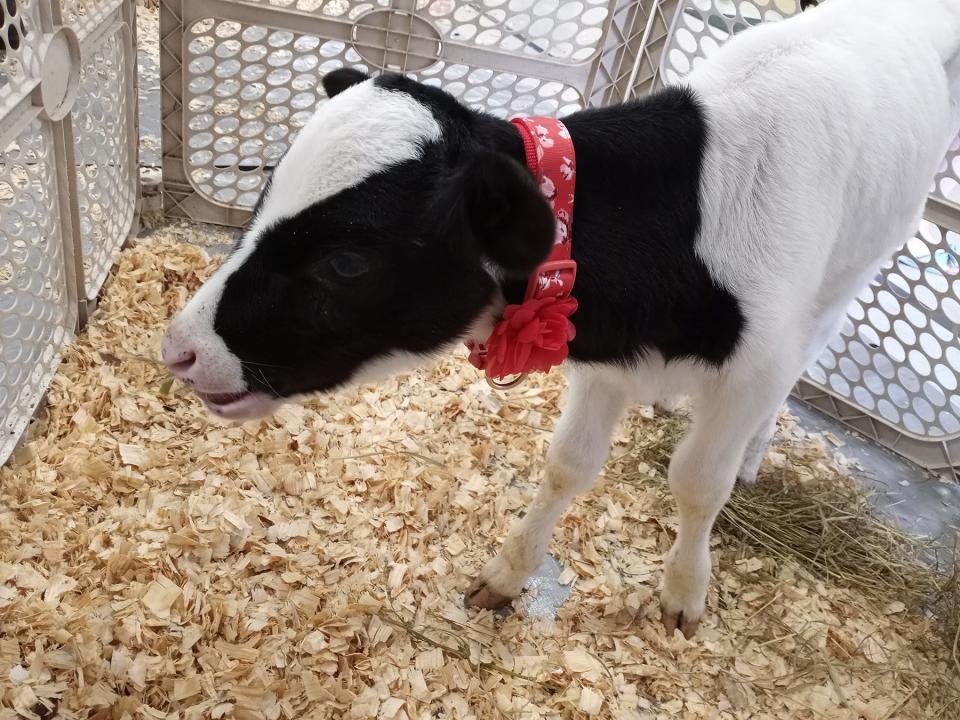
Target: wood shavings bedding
158	563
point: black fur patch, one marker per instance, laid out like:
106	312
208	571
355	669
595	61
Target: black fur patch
300	326
636	219
336	81
426	229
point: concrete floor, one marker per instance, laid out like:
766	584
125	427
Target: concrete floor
920	503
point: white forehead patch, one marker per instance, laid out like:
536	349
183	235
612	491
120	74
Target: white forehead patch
363	130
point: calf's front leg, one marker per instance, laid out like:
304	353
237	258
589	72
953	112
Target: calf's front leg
579	449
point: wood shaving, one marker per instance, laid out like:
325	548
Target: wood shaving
156	562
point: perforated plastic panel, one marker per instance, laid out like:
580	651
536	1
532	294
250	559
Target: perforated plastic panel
37	309
87	16
946	186
894	371
19	63
50	76
896	361
898	354
241	78
702	26
250	91
630	63
104	147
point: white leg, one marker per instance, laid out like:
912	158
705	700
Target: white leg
580	446
756	450
824	331
702	474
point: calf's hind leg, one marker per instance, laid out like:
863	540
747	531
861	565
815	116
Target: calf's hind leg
756	449
825	329
702	474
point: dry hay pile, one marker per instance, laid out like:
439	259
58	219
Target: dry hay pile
157	563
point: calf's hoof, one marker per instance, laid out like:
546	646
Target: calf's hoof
496	585
744	480
749	470
480	594
669	406
676	618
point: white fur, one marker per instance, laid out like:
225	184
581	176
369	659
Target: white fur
362	131
824	133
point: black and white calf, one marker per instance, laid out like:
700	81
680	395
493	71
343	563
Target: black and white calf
720	230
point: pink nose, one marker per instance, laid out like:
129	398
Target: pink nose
179	360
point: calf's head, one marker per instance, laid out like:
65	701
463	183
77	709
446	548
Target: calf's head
380	238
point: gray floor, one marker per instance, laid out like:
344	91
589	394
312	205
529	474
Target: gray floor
921	504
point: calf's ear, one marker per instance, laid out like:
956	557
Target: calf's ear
336	81
502	211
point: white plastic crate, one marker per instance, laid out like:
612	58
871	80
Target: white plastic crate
241	77
60	69
105	133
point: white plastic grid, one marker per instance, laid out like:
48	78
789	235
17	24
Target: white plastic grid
103	131
898	354
946	185
629	65
58	75
250	89
19	63
37	312
240	78
87	16
896	362
701	26
565	30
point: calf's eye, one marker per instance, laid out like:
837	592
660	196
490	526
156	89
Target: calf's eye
349	264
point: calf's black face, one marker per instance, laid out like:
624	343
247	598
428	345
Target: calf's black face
375	244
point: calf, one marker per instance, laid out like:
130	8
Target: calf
721	228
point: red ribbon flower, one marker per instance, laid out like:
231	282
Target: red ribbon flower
531	337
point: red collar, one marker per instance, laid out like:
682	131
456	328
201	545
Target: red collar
534	335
